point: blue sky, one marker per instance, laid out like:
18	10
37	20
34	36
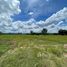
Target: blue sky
42	9
23	16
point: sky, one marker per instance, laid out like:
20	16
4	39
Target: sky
23	16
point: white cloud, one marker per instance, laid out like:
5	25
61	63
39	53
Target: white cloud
7	9
26	27
54	21
57	17
10	7
31	13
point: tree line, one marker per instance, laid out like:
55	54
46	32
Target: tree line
43	32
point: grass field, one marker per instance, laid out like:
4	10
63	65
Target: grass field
33	51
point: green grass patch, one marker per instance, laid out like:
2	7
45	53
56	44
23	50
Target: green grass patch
32	51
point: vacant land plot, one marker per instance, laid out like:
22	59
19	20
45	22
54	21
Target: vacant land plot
33	51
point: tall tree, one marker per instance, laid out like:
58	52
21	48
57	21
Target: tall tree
44	31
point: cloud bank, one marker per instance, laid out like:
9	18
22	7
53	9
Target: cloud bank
9	8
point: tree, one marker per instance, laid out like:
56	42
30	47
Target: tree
0	32
62	32
31	32
44	31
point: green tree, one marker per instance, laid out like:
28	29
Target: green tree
44	31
